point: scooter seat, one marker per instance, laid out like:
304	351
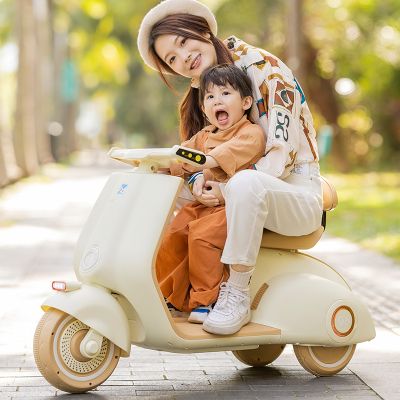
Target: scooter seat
273	240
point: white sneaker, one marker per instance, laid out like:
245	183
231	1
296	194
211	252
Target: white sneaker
199	315
230	313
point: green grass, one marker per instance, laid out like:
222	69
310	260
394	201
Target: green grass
368	211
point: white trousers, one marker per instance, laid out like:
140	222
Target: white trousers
255	200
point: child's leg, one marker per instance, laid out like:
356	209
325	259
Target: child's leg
172	264
207	236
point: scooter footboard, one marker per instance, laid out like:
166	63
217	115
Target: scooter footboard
312	310
98	309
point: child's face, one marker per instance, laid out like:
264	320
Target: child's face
224	107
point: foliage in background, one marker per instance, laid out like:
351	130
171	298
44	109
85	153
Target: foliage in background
360	40
368	211
352	39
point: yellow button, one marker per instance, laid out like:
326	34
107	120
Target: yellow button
183	152
198	158
190	155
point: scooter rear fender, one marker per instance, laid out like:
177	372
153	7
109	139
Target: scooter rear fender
305	307
98	309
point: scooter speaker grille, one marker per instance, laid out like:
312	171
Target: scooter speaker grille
65	350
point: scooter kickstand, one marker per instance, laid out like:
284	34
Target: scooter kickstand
91	344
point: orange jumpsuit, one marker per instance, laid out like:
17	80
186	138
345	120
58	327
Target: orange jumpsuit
188	265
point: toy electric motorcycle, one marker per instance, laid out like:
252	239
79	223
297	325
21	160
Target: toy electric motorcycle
116	301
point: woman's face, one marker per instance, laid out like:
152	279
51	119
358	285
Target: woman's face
187	57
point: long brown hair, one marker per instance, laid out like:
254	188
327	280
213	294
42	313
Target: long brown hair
193	27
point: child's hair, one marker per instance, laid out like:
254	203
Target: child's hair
223	75
197	28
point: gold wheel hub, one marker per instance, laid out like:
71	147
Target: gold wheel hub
69	343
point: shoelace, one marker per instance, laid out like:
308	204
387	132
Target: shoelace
228	298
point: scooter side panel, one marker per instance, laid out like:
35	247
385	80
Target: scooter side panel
301	293
91	222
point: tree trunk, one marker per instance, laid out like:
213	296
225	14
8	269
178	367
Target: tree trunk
3	169
295	41
44	85
24	134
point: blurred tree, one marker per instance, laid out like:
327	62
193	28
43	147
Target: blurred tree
357	52
25	145
44	90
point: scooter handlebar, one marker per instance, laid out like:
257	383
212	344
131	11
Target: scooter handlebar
189	156
164	157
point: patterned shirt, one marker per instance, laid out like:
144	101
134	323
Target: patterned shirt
280	109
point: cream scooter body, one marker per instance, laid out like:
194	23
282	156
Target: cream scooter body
298	299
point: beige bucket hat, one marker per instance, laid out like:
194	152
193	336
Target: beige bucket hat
165	8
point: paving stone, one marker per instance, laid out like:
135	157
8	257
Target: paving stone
192	375
143	375
354	393
177	367
365	397
334	386
152	393
291	387
110	383
218	370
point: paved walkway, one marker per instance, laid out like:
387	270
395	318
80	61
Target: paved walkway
39	225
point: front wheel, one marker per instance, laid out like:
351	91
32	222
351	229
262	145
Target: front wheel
262	355
324	361
58	357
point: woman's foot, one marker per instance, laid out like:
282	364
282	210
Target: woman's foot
199	315
231	311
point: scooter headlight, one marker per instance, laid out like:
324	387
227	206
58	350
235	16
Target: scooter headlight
59	286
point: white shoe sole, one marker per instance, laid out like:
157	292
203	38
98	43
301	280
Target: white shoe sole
197	319
227	330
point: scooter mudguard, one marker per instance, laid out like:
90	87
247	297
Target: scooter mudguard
98	309
312	310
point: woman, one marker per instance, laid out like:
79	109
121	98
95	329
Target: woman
284	193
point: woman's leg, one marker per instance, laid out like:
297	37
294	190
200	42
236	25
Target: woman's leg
255	201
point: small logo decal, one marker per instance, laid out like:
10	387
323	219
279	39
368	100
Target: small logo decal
122	189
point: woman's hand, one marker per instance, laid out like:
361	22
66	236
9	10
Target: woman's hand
214	189
202	195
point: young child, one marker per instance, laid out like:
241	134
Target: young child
188	265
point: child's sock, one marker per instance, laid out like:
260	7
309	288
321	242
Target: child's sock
240	280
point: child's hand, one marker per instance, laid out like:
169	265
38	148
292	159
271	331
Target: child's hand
202	195
198	186
214	189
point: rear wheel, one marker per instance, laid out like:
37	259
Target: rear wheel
324	361
263	355
57	353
